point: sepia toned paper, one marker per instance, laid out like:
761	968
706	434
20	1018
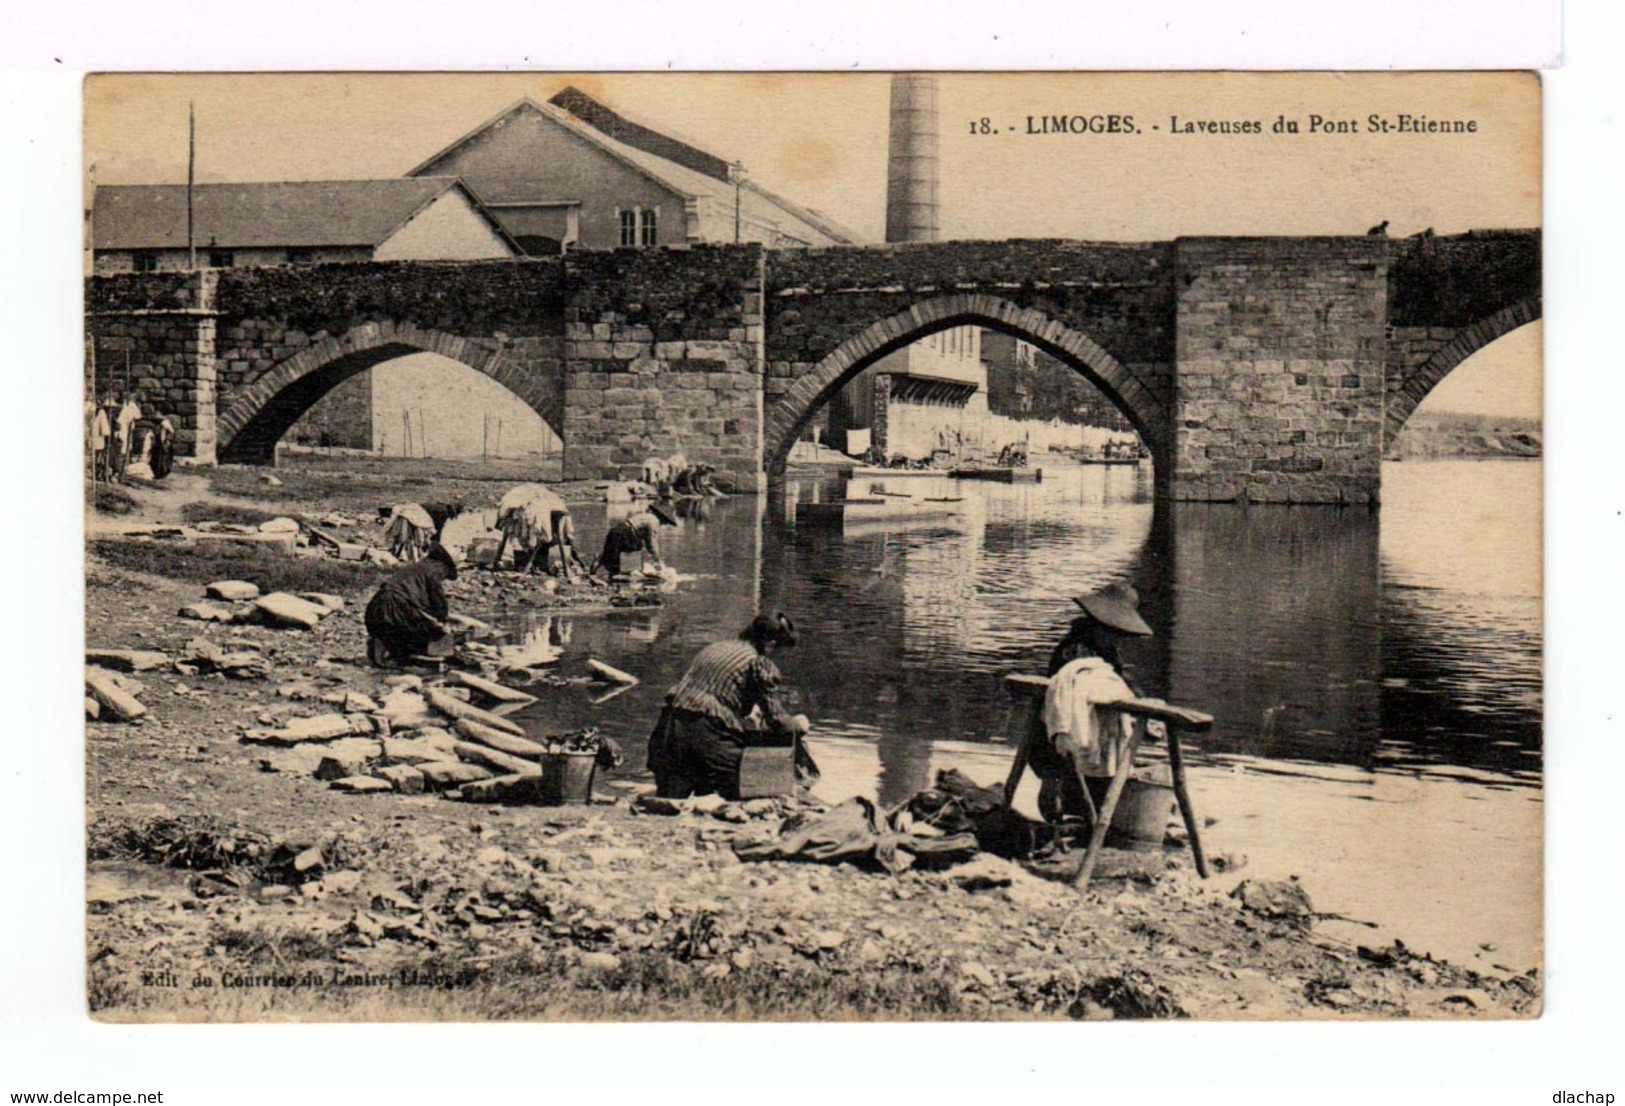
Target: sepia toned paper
1264	348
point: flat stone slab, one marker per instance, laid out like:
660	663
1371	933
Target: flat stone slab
232	590
205	611
305	758
361	784
403	778
126	660
438	776
281	609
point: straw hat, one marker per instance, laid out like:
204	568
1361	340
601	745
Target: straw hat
1116	606
664	513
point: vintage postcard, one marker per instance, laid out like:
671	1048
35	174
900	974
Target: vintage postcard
695	546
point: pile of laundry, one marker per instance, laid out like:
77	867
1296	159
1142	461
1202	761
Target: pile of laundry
939	827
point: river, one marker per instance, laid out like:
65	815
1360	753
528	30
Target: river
1375	675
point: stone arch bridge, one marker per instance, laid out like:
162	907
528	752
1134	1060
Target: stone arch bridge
1262	369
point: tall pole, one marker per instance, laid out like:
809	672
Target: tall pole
191	178
737	171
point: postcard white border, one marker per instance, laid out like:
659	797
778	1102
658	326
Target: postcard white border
46	1041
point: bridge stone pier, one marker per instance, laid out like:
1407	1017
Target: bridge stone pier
1257	369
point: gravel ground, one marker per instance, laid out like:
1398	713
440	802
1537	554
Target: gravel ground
418	907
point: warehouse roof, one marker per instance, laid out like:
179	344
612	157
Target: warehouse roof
266	213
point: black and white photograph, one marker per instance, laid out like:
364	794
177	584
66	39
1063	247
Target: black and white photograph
813	547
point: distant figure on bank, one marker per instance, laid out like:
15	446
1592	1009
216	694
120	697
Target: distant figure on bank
537	521
1085	671
128	414
112	468
695	480
163	445
410	533
697	744
409	610
99	433
1378	231
636	533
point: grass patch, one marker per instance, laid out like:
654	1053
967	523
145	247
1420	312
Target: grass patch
537	986
270	569
360	483
259	945
229	513
195	843
296	487
652	985
112	500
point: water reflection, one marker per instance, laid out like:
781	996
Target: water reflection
1275	628
1375	676
1400	640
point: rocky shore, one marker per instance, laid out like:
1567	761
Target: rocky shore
219	890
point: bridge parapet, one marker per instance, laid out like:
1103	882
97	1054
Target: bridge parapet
1258	368
1449	297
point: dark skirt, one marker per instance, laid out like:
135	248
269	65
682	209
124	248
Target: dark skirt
403	630
621	540
1060	795
694	754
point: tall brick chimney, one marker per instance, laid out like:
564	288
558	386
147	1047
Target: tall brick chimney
911	172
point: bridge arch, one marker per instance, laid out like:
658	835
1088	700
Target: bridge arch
262	412
1414	387
1144	408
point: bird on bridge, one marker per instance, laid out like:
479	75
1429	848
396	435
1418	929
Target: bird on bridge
1380	230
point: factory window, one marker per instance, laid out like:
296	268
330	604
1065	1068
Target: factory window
144	261
301	255
629	227
220	259
649	227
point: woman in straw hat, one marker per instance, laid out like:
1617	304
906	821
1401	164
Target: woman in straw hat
1085	670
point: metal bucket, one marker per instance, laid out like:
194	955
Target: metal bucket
567	779
1140	822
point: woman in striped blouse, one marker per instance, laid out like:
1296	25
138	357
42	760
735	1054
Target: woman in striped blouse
696	746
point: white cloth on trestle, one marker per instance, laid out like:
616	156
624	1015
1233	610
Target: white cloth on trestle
1072	707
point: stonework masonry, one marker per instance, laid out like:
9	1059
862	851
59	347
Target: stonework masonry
1263	369
1281	355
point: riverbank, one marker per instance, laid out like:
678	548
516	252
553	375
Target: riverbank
420	907
1451	435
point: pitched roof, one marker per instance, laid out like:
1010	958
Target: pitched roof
640	136
604	118
268	213
691	183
